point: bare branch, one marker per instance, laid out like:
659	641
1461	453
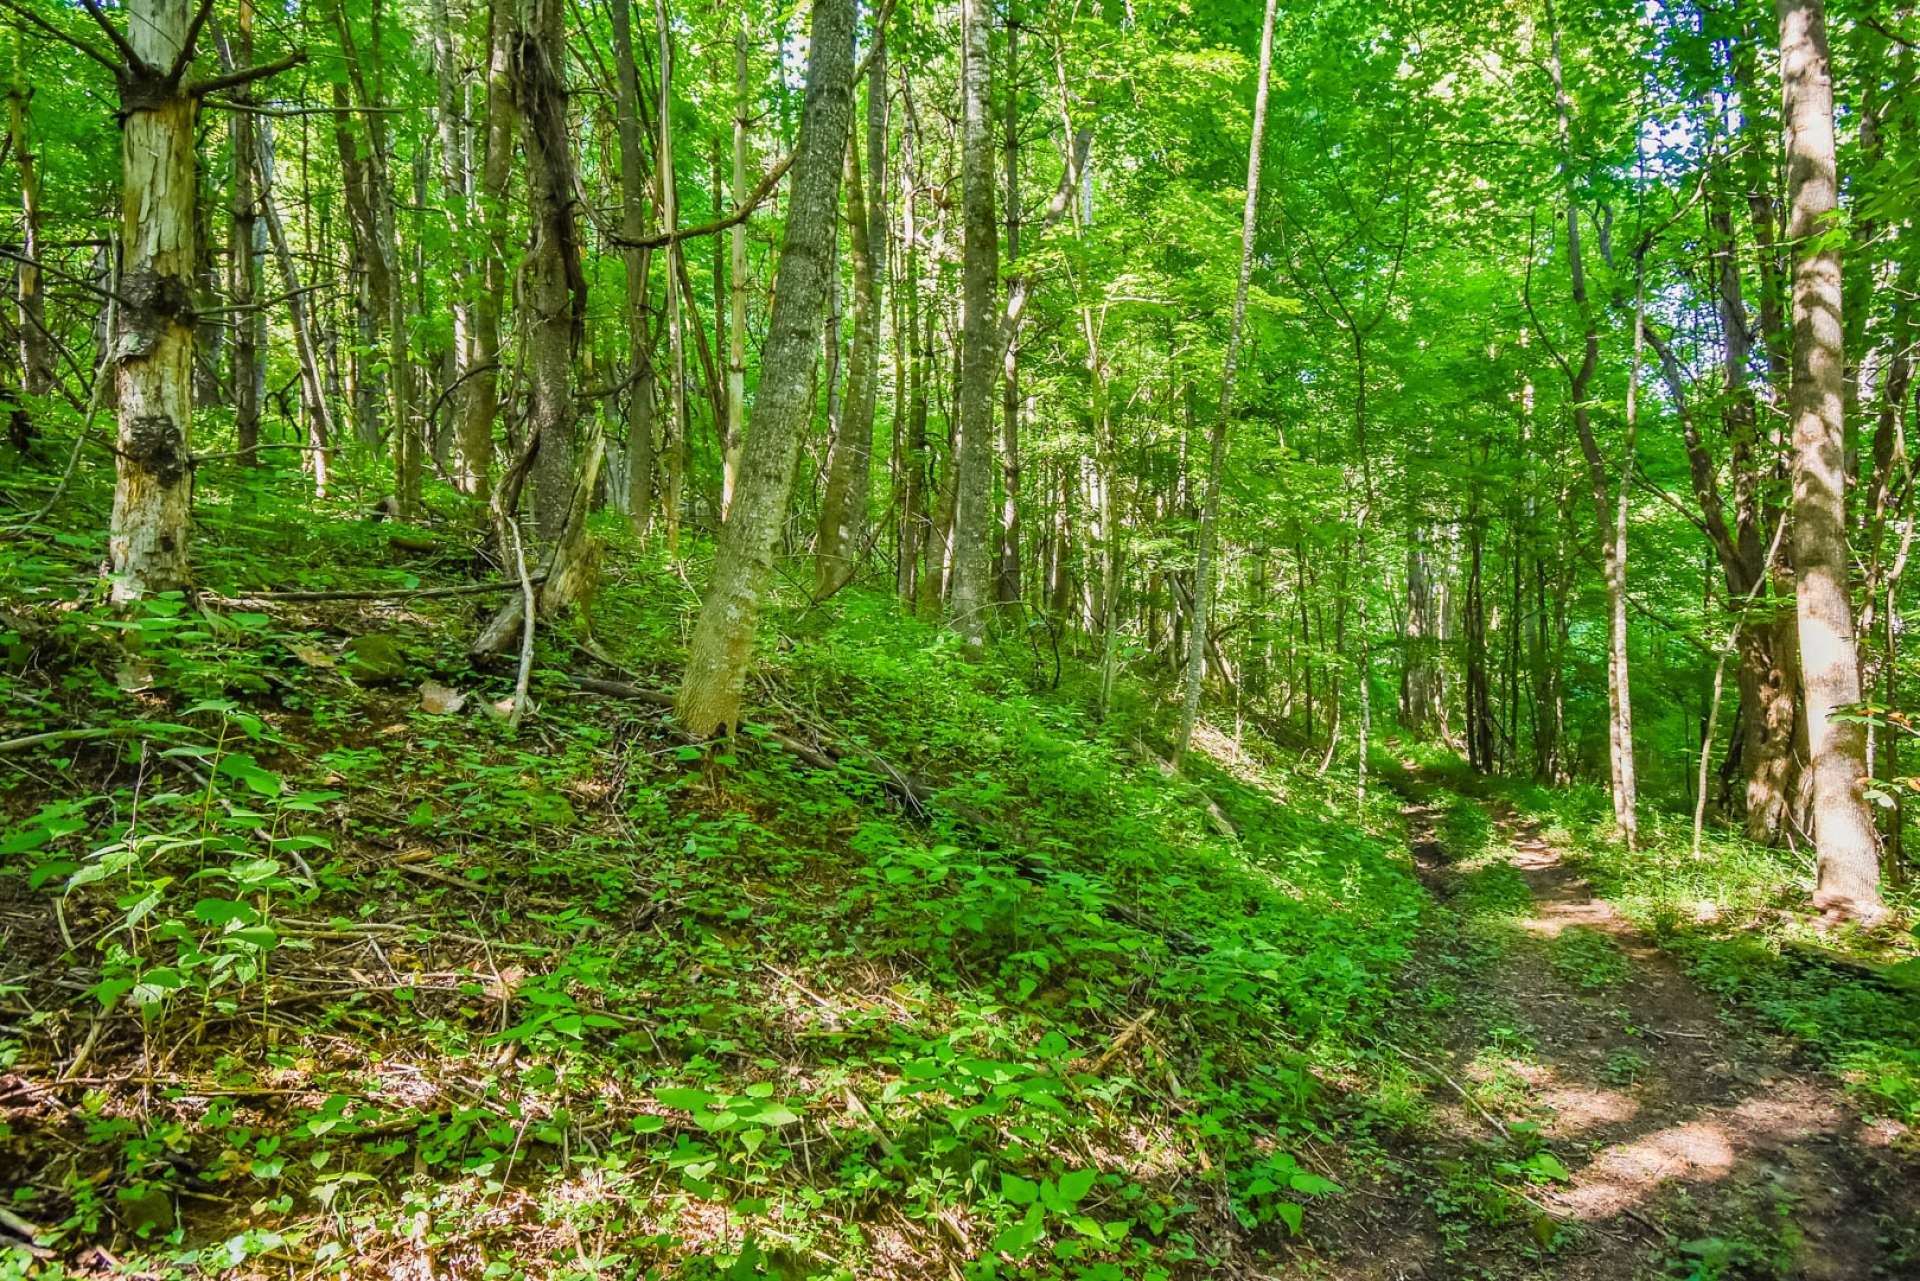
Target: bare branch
14	7
185	55
134	61
245	75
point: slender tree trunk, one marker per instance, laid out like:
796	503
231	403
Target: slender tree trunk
1611	529
721	648
1217	445
1007	582
973	459
153	337
638	264
249	329
481	406
844	505
674	442
475	458
555	295
1849	866
737	281
36	347
313	385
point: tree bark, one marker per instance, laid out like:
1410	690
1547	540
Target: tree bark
152	342
249	331
638	262
721	648
481	406
674	441
1849	867
555	290
1007	579
972	592
737	282
844	504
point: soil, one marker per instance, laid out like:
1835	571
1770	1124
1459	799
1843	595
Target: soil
1698	1146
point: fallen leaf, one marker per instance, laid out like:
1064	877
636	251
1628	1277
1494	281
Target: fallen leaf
438	700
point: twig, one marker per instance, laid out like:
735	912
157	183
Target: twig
526	627
1442	1077
93	407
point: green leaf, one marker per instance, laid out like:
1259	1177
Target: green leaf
1305	1181
1018	1190
1075	1184
1291	1214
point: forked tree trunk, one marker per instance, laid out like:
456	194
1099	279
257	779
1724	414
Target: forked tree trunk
152	342
1217	445
721	648
972	591
1849	865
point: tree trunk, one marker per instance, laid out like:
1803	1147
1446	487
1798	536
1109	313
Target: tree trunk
972	592
737	282
844	505
1610	524
1007	580
721	648
470	470
250	322
674	441
1217	445
152	342
1849	867
556	293
481	405
638	263
36	347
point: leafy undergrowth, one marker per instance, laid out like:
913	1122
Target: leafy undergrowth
1738	917
300	976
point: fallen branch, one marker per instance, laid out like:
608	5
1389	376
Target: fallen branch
1221	823
1444	1079
1120	1042
402	593
54	736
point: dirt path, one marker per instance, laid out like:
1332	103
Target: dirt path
1693	1144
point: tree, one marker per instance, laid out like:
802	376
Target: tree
972	590
1217	441
720	651
843	507
152	339
1849	866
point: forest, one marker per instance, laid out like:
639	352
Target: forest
962	639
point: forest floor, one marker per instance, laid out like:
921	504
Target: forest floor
1677	1136
311	967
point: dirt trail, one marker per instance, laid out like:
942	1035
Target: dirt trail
1698	1146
